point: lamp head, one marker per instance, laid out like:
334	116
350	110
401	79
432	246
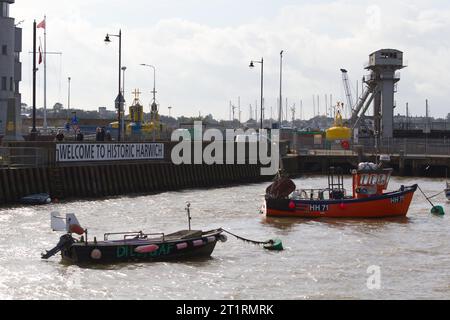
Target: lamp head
107	40
252	65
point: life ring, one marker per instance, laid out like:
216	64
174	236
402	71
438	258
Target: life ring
96	254
345	145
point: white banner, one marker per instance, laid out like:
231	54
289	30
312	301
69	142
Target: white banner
109	151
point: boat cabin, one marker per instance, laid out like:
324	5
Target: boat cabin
370	180
335	190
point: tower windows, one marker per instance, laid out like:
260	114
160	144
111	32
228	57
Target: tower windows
4	80
4	49
4	9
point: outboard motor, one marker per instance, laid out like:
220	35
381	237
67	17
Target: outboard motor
64	242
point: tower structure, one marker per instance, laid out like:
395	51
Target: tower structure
10	74
384	65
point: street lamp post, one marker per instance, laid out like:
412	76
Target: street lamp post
154	79
281	85
119	100
123	94
252	65
68	97
123	80
154	107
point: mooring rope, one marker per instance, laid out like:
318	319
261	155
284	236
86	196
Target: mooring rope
428	199
248	240
436	195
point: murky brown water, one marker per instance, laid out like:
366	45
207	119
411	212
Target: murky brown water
324	259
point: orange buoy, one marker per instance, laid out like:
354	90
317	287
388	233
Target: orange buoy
345	145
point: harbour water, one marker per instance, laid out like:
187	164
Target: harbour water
323	259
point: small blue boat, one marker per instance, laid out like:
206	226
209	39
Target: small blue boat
36	199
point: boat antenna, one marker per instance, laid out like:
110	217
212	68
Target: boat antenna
188	210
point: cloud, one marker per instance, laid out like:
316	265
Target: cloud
202	65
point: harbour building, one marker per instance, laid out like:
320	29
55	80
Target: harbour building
10	73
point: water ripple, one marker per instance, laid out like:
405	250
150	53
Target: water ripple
324	259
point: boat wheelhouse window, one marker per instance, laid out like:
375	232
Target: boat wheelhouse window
373	179
382	179
388	177
365	179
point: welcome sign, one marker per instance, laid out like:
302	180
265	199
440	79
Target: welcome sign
109	152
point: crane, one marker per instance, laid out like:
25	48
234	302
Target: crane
293	114
348	92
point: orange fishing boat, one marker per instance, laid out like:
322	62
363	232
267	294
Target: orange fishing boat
368	199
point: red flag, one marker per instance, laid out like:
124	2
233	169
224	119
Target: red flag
40	55
41	25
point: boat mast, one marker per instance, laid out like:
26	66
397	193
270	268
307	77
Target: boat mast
188	210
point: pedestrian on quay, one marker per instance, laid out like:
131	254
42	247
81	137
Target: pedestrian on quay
80	136
108	136
60	136
102	134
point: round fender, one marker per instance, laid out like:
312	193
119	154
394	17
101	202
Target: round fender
146	249
223	238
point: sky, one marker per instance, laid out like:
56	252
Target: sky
202	50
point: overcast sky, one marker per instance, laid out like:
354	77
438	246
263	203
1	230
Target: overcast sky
202	49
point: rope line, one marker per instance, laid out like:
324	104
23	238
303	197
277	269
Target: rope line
248	240
436	195
428	199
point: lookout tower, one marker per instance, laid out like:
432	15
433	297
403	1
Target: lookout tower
383	79
10	74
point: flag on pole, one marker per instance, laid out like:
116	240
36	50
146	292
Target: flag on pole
41	24
40	51
40	55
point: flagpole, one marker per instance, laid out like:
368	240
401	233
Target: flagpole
33	130
45	74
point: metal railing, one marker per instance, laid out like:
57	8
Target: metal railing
394	146
407	146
